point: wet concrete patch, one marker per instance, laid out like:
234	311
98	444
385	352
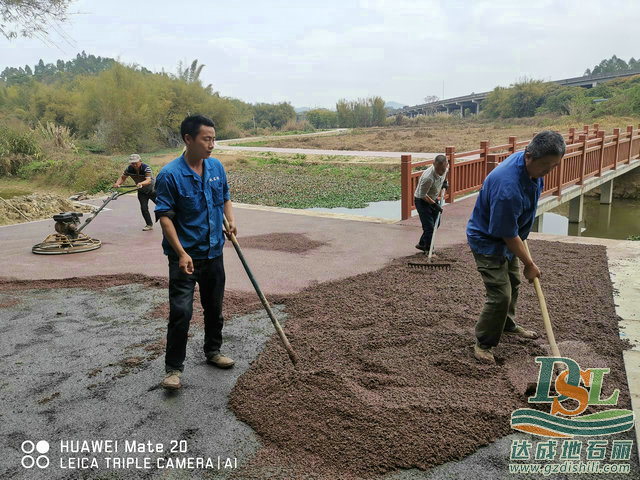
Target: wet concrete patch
82	364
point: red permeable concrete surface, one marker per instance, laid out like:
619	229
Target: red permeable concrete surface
286	252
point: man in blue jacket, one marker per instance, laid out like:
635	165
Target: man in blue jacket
501	220
192	196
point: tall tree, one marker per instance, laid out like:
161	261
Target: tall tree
31	18
191	74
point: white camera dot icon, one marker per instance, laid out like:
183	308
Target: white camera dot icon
42	446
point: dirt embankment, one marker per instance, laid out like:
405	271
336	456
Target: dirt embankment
36	207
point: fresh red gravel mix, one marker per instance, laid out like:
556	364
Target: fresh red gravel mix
387	378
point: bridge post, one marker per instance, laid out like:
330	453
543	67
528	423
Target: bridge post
616	132
576	209
450	153
512	143
405	187
484	146
630	133
572	135
601	135
560	178
606	193
583	157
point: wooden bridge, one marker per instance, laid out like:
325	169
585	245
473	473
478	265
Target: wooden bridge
593	159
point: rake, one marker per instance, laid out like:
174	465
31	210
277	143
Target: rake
265	302
430	264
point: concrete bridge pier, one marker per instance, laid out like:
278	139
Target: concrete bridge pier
576	209
575	229
537	224
606	193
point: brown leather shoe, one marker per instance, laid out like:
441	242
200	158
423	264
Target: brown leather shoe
172	380
220	361
483	355
522	332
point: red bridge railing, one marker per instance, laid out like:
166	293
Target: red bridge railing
590	152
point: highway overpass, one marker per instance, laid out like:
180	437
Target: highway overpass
473	101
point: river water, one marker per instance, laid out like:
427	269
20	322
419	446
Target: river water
618	220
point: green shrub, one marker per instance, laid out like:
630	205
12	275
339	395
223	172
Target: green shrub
18	147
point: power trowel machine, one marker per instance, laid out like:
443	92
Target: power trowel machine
69	237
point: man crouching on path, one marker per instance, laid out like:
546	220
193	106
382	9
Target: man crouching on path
192	195
502	218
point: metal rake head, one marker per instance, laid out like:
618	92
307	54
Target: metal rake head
428	266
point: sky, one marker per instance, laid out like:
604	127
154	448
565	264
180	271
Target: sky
313	53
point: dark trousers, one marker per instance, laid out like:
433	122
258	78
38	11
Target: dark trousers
145	194
501	279
211	278
428	216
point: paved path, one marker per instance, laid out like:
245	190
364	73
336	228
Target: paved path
335	131
224	145
342	153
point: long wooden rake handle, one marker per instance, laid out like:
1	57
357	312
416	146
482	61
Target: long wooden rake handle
545	312
265	303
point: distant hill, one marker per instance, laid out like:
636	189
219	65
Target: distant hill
394	105
302	109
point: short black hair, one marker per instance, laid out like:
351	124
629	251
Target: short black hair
440	159
546	143
191	125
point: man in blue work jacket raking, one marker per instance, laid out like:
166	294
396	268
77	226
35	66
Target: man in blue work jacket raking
192	196
501	220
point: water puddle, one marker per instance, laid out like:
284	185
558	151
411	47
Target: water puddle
389	209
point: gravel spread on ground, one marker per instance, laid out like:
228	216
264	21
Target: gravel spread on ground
387	379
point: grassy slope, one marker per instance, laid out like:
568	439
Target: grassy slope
298	181
437	133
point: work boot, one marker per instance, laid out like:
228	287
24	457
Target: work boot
172	380
220	361
147	228
521	332
484	355
421	247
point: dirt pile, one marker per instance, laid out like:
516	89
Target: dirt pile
36	207
387	378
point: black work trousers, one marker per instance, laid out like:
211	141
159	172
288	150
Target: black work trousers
428	215
210	276
145	194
